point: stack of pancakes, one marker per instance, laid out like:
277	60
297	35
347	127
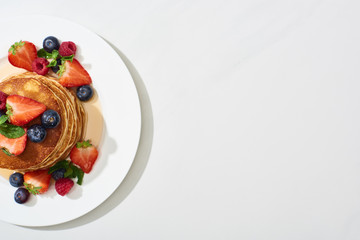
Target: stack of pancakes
60	140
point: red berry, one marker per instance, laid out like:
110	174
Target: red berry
67	49
14	146
63	186
37	182
3	97
74	75
39	66
84	155
22	109
22	54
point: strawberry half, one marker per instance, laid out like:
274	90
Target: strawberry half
22	109
72	74
84	155
37	182
14	146
22	54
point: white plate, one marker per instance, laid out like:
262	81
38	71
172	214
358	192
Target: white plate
121	113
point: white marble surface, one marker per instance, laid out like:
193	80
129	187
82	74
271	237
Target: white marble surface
256	119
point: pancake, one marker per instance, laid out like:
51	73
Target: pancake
60	140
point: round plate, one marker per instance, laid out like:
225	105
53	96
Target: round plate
121	114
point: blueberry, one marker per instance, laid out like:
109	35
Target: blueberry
57	67
21	195
36	133
84	93
16	179
50	119
51	43
2	113
58	174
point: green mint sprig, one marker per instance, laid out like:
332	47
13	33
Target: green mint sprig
9	130
71	171
44	54
54	56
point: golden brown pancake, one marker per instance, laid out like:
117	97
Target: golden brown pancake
60	140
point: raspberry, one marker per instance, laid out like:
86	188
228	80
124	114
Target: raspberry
67	49
39	66
63	186
3	97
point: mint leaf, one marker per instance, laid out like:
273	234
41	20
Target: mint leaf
11	131
54	54
71	171
78	173
43	54
61	69
3	119
52	63
67	58
61	164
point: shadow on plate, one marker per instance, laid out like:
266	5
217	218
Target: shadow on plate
138	166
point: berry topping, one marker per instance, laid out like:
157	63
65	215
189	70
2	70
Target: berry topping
36	133
59	173
22	109
66	169
50	119
72	74
13	146
84	155
3	97
63	186
37	182
16	179
56	68
39	66
84	93
67	49
21	195
51	43
22	54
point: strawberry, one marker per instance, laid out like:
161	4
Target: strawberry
13	146
72	74
37	182
22	109
84	155
22	54
63	186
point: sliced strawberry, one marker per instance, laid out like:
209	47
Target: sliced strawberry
22	54
14	146
84	155
37	182
72	74
22	109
